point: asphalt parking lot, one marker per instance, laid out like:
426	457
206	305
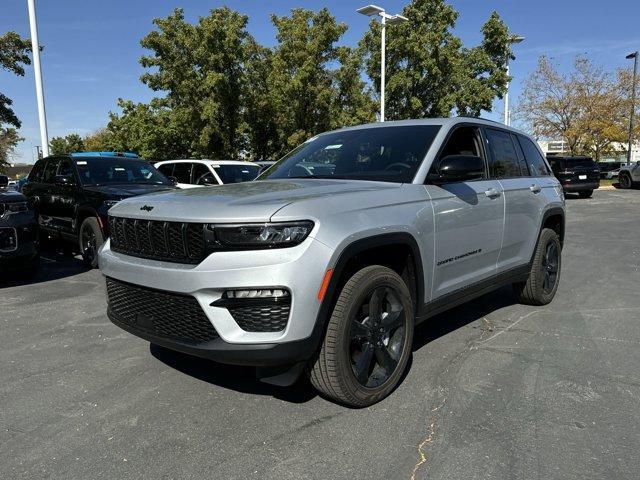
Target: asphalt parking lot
495	389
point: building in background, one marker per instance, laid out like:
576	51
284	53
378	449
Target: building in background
560	147
16	171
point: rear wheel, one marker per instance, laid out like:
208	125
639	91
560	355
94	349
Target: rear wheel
368	340
585	193
624	179
542	284
90	240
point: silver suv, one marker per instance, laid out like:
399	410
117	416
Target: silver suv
325	263
629	175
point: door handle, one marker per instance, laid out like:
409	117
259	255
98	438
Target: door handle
492	193
535	188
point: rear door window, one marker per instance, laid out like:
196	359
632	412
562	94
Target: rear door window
201	175
534	158
166	169
504	162
182	171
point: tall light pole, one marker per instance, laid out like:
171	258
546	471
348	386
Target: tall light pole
35	47
385	18
633	55
507	114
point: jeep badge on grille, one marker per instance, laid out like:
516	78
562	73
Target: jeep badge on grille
146	208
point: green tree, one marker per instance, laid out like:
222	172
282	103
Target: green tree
13	57
429	72
9	139
314	83
69	144
99	141
154	130
201	68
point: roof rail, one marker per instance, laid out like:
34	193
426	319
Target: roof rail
105	154
481	118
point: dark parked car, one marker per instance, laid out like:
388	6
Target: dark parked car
576	174
19	252
72	194
607	167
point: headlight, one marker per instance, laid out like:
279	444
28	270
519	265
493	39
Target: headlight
17	207
266	235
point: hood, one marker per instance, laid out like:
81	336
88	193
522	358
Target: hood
247	202
9	196
127	190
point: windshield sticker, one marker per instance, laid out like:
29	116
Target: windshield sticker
81	163
118	169
333	147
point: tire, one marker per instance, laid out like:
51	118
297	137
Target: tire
624	180
539	289
352	343
90	239
585	193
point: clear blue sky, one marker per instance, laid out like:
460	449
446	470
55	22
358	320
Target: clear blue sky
92	46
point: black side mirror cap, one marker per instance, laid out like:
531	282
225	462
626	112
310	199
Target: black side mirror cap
459	168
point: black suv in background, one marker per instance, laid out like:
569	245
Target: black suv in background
18	234
576	174
72	194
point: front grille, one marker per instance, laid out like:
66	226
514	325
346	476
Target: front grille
171	316
271	317
157	240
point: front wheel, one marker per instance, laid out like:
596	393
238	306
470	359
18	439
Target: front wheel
90	240
542	284
624	180
368	340
585	193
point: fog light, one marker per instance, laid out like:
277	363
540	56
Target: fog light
261	293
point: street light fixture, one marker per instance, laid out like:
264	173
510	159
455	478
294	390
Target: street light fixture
385	18
507	115
633	55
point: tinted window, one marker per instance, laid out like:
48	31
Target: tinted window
504	157
580	162
237	173
65	167
533	157
166	169
182	171
388	154
36	172
50	170
202	175
105	171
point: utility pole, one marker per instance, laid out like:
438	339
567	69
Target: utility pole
35	47
633	55
507	115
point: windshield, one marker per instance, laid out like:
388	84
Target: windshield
387	154
237	173
106	171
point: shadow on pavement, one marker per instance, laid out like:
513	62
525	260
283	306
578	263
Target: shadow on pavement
449	321
243	379
232	377
54	265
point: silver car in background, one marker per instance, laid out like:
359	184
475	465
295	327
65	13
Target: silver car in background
325	264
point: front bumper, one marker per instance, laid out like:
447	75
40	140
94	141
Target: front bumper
579	187
23	233
298	269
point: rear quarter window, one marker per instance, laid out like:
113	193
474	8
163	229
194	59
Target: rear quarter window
533	157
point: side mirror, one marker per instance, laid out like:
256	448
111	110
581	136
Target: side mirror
64	180
173	180
459	168
4	181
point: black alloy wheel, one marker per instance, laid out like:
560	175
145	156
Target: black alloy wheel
377	337
550	262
